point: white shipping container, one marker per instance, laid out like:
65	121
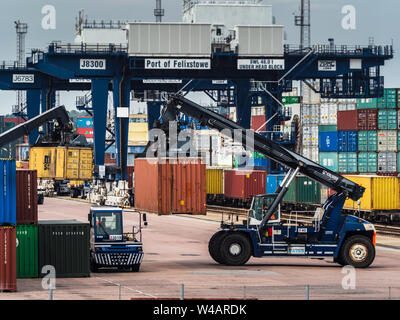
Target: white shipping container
311	153
309	96
310	135
169	39
310	114
347	106
387	162
328	114
387	140
263	41
102	36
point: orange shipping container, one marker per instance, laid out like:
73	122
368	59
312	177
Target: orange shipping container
8	259
170	186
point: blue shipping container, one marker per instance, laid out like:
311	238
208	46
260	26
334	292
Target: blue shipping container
84	123
8	202
273	181
347	141
328	141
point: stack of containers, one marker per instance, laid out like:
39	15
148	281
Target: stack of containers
347	141
27	221
310	117
8	220
328	135
84	126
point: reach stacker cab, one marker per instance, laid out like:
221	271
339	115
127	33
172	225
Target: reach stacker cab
347	239
110	246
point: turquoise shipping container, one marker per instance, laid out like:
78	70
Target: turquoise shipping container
387	119
367	103
347	162
389	99
367	162
368	141
329	160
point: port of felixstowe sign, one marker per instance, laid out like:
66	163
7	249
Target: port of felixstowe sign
178	64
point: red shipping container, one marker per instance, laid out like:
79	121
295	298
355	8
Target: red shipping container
27	202
86	132
171	186
16	121
8	259
108	160
367	119
243	184
257	122
347	120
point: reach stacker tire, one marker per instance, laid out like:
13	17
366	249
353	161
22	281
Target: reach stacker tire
214	246
235	249
357	251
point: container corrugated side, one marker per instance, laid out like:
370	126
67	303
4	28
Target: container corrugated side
367	141
215	181
347	141
367	162
347	120
8	259
27	203
347	162
329	160
381	193
8	212
307	190
328	141
244	184
387	162
370	103
65	245
27	251
387	140
272	182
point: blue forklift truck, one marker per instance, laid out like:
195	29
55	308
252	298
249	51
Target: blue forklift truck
110	246
347	239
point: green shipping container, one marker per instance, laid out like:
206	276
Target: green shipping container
329	160
387	120
303	190
27	251
290	100
367	103
367	162
347	162
327	128
367	140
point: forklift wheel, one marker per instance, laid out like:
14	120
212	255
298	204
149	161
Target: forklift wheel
214	246
135	268
235	249
357	251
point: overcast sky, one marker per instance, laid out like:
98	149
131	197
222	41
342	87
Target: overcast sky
378	19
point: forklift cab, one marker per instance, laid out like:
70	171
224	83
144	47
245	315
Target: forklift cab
106	224
259	208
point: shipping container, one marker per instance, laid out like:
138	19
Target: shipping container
328	114
27	251
303	190
263	41
388	101
367	119
8	259
329	128
169	39
86	132
347	106
367	141
244	184
170	185
387	119
215	181
65	245
273	181
328	141
310	135
310	153
26	198
381	193
387	140
329	160
367	162
309	114
347	162
347	141
8	211
371	103
286	100
62	163
84	122
347	120
387	162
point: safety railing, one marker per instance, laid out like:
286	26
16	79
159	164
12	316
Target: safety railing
4	65
86	48
340	49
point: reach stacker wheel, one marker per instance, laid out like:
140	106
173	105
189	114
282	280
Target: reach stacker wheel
214	246
235	249
357	251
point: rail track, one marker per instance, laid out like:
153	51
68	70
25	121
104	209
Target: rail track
301	217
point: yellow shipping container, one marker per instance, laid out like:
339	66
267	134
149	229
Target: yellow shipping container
138	130
62	163
381	193
215	181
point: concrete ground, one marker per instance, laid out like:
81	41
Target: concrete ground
176	253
